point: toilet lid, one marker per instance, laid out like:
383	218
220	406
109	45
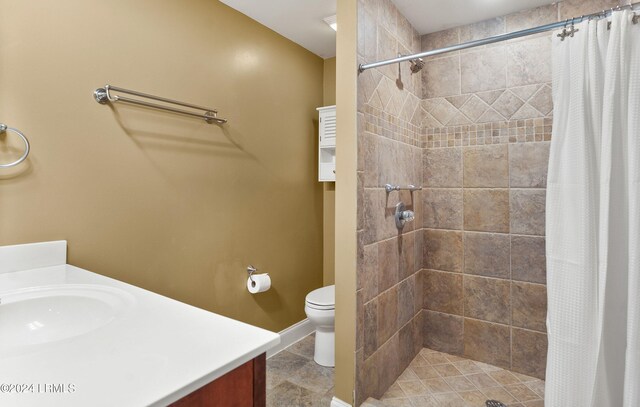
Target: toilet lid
324	297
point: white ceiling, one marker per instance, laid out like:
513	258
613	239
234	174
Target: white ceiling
429	16
301	20
298	20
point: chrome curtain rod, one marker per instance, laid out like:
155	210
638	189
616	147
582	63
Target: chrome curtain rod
497	38
104	96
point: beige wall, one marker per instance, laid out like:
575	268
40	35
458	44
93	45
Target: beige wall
167	203
329	188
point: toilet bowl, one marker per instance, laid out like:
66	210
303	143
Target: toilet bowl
320	306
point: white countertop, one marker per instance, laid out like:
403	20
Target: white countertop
155	352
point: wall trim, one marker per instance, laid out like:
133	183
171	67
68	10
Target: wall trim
291	335
336	402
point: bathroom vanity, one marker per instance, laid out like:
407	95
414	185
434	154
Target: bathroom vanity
71	337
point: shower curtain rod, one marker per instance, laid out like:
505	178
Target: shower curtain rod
501	37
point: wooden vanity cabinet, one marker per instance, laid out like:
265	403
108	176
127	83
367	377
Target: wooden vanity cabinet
245	386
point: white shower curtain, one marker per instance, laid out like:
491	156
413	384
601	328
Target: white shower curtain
593	218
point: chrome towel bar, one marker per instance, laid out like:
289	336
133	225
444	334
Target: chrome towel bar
3	129
104	96
389	188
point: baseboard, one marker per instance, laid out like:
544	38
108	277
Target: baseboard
336	402
291	335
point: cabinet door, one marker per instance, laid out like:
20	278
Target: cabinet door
328	128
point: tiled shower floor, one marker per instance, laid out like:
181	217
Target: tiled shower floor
435	379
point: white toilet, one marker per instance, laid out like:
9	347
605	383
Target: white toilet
320	306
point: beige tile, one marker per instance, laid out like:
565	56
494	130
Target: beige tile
405	307
407	253
443	250
499	393
528	62
532	18
413	388
368	272
537	386
370	340
441	77
521	392
486	166
443	332
449	400
436	358
395	391
527	211
487	254
474	398
443	111
542	101
529	352
487	342
407	347
487	299
529	309
313	377
409	375
440	39
425	372
387	314
576	8
482	380
535	403
389	368
467	367
405	31
443	292
423	401
482	29
388	15
483	70
447	370
507	104
437	385
459	383
528	260
388	263
504	377
474	107
367	380
442	208
486	210
528	164
443	168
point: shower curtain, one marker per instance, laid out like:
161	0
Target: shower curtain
593	218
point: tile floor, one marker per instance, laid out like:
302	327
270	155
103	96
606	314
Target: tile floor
435	379
295	380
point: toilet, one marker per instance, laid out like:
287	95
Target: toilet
320	306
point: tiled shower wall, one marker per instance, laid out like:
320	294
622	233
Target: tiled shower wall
487	125
468	275
389	297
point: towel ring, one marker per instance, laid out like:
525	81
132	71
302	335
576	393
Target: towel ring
27	147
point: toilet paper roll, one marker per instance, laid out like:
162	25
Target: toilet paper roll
260	283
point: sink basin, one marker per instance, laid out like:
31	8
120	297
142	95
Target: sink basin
41	315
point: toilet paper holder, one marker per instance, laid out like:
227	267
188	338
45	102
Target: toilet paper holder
250	271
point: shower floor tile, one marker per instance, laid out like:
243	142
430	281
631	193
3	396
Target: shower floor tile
295	380
436	379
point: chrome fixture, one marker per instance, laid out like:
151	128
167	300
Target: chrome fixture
498	38
3	129
416	65
403	216
104	96
389	188
251	270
